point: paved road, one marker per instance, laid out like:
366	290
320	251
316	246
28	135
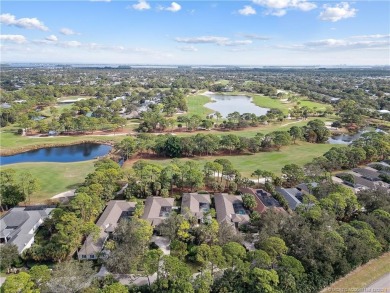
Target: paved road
381	285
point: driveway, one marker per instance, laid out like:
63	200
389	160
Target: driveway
162	243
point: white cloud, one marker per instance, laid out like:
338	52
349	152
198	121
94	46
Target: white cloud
346	44
188	48
280	7
377	36
68	32
202	40
28	23
220	41
337	12
19	39
175	7
236	43
71	44
51	38
278	12
141	5
256	37
247	10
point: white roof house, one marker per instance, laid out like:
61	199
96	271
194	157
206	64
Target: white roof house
19	225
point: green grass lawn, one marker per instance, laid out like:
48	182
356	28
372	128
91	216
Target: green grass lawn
363	275
54	178
11	141
195	105
251	131
298	154
223	81
267	102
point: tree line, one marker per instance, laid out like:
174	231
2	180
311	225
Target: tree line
172	146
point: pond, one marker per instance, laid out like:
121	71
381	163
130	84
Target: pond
229	104
63	154
349	138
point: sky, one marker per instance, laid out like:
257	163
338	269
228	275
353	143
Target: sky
246	33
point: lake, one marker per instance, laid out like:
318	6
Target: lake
229	104
63	154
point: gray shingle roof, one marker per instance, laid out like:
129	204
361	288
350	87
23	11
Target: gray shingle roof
290	194
157	209
20	224
224	206
195	203
367	173
107	222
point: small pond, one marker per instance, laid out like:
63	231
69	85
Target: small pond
349	138
229	104
63	154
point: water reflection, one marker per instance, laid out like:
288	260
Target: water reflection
72	153
228	104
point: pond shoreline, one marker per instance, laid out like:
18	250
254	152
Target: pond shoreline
11	152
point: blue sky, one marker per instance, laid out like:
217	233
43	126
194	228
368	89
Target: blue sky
252	33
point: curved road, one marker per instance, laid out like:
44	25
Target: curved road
381	285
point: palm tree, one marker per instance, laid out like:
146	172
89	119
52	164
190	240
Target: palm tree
257	173
218	115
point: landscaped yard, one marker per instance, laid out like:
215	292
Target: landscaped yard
298	154
54	177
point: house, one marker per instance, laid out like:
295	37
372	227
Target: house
307	188
107	222
368	173
293	196
196	204
157	209
230	209
19	225
362	183
263	199
355	187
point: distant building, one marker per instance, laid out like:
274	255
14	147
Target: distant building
108	221
157	209
230	209
19	225
196	204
